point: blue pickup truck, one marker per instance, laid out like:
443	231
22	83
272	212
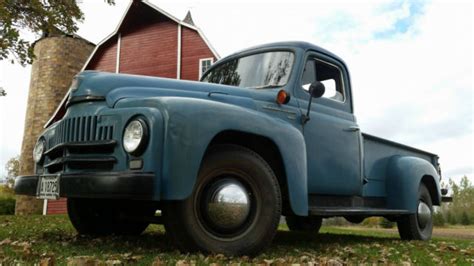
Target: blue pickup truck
269	131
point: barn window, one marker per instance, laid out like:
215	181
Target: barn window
204	65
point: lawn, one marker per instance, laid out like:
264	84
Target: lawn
34	239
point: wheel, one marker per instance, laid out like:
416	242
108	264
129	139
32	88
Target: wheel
418	226
303	223
105	217
234	208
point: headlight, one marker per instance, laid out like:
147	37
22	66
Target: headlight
38	151
135	136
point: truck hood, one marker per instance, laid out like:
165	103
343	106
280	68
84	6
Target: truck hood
92	85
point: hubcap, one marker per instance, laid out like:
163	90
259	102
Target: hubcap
424	214
228	206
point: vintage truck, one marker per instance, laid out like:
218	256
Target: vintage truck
269	131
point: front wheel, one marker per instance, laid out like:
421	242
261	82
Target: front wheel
418	226
235	206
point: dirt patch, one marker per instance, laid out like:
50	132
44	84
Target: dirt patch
456	232
462	233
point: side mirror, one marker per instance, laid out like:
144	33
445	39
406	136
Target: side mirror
317	89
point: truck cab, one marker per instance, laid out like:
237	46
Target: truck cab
269	131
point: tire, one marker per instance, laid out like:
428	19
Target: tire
104	217
411	227
192	223
304	224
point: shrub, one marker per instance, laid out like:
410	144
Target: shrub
438	219
385	223
465	219
451	218
336	221
371	222
6	192
7	206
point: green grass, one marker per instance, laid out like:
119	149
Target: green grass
29	239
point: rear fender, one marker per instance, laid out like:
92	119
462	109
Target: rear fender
404	175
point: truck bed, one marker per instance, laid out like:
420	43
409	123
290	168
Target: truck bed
376	155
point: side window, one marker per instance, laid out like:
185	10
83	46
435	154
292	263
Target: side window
204	65
329	75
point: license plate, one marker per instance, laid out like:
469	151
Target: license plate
48	187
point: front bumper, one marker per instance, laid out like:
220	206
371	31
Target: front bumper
110	185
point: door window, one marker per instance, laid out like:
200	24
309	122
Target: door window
328	74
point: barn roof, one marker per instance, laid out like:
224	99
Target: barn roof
187	22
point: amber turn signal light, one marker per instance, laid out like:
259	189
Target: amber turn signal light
282	97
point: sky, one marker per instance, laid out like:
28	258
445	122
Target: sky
411	62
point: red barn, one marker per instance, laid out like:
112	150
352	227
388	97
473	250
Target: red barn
148	41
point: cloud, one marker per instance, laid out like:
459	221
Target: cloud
405	13
416	87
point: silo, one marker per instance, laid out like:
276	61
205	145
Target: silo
58	58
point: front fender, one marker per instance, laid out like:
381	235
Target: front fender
190	126
404	175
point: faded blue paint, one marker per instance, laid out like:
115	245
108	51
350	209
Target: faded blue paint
378	154
404	174
192	123
321	157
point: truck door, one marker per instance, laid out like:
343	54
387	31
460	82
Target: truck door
333	138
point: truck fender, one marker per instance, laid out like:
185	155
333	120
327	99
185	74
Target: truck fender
190	124
404	175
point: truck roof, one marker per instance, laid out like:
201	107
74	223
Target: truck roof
290	44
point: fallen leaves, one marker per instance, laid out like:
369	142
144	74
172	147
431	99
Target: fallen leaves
5	241
82	261
109	260
48	241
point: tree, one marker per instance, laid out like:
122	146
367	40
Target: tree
13	169
462	207
38	16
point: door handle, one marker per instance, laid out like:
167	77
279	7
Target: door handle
352	129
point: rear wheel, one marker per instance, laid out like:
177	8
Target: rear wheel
304	223
418	226
105	217
235	206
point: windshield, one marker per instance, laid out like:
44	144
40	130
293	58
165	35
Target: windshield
263	70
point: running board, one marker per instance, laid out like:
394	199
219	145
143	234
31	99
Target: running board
331	211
